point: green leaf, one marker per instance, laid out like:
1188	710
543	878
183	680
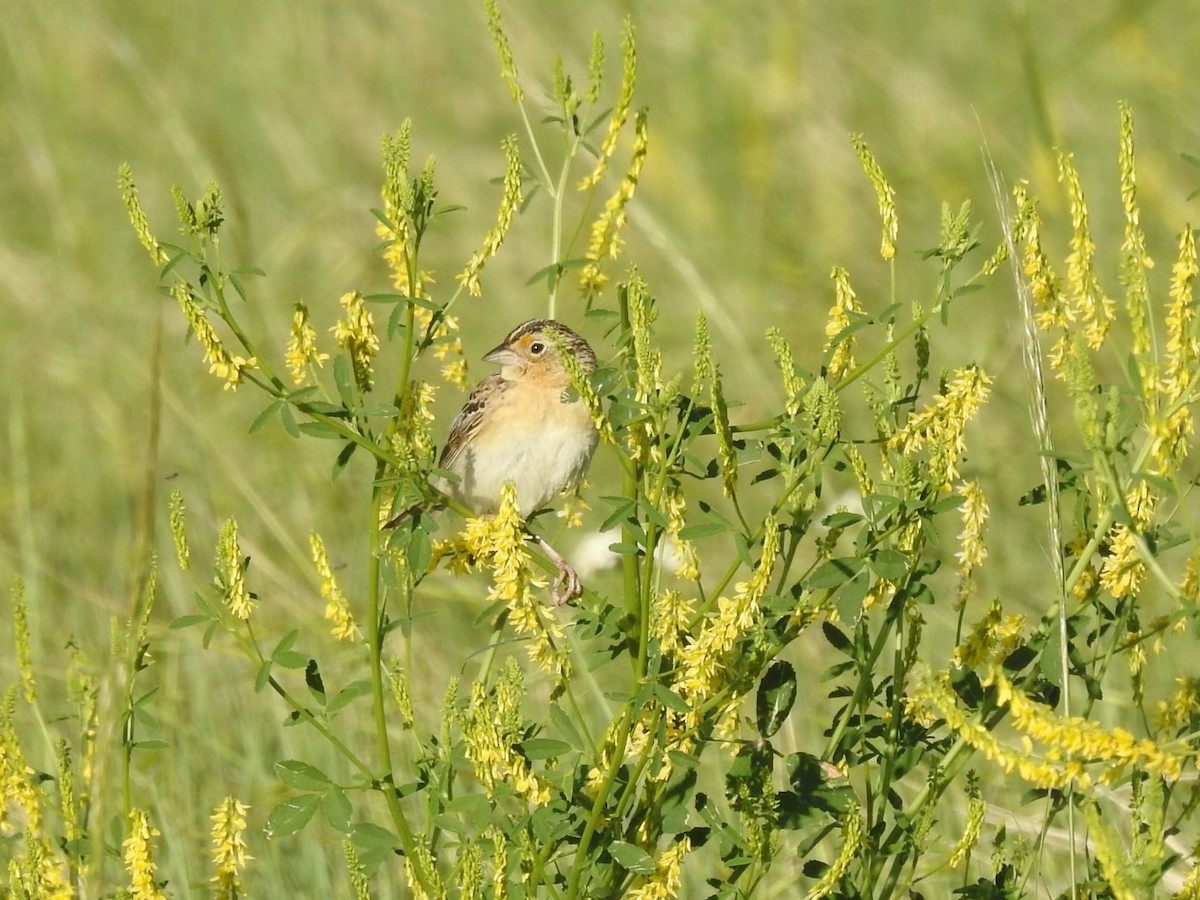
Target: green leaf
835	572
374	844
288	419
841	520
337	809
348	694
624	508
343	377
669	699
543	748
189	621
836	638
265	416
301	776
291	815
631	857
565	726
150	745
316	684
889	564
319	430
776	696
263	677
702	530
290	659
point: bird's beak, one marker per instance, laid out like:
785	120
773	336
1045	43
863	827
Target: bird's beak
501	356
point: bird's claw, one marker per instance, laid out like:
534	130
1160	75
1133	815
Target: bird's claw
570	579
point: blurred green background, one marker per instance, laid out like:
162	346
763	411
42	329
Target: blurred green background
750	195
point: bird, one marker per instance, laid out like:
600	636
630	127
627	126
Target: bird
521	425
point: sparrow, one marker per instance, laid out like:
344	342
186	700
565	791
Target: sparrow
520	425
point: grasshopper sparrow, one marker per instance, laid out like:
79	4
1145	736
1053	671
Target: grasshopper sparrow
518	426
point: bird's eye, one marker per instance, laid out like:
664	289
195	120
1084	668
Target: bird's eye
537	348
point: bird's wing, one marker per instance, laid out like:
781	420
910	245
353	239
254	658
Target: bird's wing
466	424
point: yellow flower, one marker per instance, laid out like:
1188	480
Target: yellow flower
138	848
509	204
337	608
884	194
229	846
845	304
302	346
1123	569
943	424
665	881
605	241
356	334
220	362
232	566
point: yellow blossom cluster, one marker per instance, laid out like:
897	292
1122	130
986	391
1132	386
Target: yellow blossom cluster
704	661
1072	743
664	882
233	569
499	542
605	240
992	639
355	333
620	113
138	848
229	847
492	728
337	608
845	305
942	424
509	204
220	362
884	194
301	353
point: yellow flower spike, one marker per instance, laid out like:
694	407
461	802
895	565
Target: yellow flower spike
137	216
509	204
1182	359
355	333
852	841
16	778
1092	307
845	303
20	618
884	194
605	240
178	528
942	424
665	881
233	570
972	550
992	638
302	351
726	454
1123	570
138	849
793	385
976	809
1135	260
220	362
337	608
702	663
1181	708
702	360
620	113
508	68
229	847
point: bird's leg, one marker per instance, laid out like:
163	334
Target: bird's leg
567	577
